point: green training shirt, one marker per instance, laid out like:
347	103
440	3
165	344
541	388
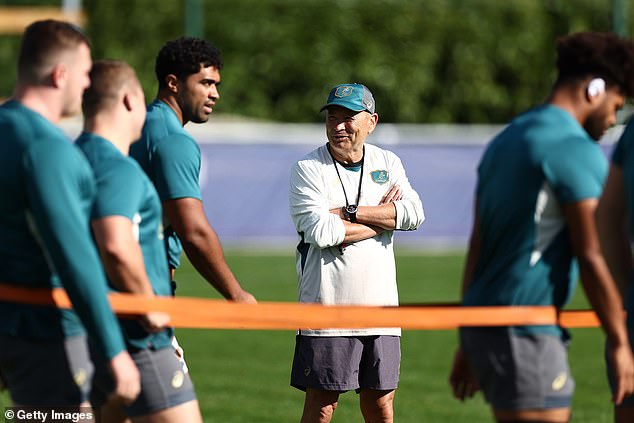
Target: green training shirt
46	192
171	159
623	158
542	160
124	190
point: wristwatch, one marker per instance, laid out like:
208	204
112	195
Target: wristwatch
350	212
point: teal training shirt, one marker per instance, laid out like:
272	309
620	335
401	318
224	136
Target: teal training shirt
542	160
623	158
124	190
46	192
171	159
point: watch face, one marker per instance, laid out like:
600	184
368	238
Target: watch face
352	209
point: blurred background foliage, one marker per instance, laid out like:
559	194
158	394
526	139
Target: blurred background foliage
427	61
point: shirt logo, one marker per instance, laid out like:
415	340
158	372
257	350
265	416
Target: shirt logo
80	377
344	91
560	381
380	176
136	222
178	379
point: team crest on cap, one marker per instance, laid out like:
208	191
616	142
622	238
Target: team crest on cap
380	176
344	91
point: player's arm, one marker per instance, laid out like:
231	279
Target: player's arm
122	258
613	229
601	290
202	246
52	179
461	379
176	165
121	254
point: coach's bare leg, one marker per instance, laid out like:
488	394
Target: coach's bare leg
624	414
319	406
551	415
377	406
187	412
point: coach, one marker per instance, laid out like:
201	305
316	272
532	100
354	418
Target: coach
346	199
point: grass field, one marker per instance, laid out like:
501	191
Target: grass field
242	376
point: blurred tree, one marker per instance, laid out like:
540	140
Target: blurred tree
453	61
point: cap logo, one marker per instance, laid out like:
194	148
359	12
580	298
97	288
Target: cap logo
344	91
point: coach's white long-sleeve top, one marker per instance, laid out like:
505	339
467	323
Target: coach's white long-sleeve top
365	272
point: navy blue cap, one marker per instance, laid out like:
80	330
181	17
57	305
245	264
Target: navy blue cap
355	97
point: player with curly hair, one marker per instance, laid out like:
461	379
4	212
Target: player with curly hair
188	74
538	186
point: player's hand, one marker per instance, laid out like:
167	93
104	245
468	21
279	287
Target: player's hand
463	383
395	193
623	366
244	297
127	380
154	321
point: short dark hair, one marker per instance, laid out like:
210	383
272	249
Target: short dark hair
599	54
184	56
107	78
42	43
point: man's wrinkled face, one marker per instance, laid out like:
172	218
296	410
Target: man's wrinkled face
347	129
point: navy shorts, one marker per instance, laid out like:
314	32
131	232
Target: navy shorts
344	363
519	372
51	373
164	384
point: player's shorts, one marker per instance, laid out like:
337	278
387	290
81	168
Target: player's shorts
629	400
163	383
52	372
344	363
519	372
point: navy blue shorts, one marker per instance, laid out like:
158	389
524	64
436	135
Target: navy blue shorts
164	384
519	372
344	363
52	373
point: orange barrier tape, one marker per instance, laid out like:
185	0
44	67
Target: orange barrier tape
188	312
579	319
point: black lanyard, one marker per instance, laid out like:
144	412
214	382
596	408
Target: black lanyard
341	181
